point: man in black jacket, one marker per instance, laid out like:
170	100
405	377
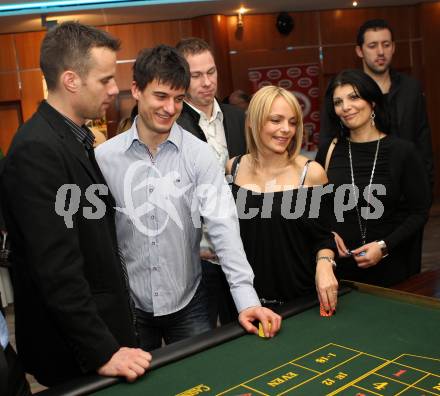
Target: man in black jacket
405	101
12	377
72	308
222	127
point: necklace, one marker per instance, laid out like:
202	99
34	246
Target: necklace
362	228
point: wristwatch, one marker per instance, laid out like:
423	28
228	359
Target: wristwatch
383	248
329	259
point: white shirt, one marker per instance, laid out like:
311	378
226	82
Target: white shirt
215	136
214	132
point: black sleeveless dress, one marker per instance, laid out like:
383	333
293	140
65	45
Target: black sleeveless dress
281	249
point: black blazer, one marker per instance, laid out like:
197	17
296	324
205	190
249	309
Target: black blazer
71	302
233	122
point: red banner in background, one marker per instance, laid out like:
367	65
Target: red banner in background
303	82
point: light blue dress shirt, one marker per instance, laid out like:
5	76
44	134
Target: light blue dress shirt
4	338
160	202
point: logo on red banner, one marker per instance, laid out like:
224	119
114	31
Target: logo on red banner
303	82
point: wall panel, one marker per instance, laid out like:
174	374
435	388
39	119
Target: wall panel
214	29
244	60
402	56
10	120
7	58
135	37
417	60
430	32
259	32
9	87
28	49
336	58
31	91
124	75
341	26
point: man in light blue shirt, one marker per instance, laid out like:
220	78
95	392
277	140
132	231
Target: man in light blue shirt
164	181
12	378
4	336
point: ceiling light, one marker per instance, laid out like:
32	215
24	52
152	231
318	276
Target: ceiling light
26	7
240	13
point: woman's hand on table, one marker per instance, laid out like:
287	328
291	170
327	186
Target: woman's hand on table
326	285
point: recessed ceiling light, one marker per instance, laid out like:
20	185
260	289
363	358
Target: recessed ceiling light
355	3
47	6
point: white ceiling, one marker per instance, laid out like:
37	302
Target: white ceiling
155	12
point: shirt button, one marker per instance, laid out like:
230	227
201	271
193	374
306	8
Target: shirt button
156	293
153	243
151	189
152	217
155	268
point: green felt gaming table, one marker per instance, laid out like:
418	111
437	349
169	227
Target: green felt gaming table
379	342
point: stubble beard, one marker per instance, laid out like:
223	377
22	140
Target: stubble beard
200	102
374	70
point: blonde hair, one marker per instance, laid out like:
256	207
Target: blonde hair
258	114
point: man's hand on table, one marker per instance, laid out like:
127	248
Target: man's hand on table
264	316
130	363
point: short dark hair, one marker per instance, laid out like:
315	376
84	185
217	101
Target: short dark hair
67	46
193	46
162	63
372	24
242	95
367	89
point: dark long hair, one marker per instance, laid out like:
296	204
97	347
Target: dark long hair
367	89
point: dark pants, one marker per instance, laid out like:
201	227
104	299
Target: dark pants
220	303
188	322
12	377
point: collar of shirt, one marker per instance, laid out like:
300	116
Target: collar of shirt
216	112
82	133
132	135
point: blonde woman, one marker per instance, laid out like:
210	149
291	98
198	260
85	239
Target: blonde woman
289	252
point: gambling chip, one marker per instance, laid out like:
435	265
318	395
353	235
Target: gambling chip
261	331
323	312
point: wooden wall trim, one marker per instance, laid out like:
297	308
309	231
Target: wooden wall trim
429	14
